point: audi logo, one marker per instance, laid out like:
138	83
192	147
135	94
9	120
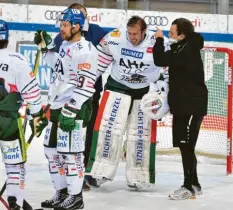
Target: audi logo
156	20
52	15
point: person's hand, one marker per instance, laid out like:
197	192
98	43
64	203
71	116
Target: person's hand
43	40
67	118
38	123
158	33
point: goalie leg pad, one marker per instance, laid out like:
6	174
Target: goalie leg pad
141	148
108	135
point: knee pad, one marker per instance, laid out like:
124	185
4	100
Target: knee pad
140	158
14	152
71	142
108	135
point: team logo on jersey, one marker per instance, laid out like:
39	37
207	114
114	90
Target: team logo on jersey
134	79
132	53
115	33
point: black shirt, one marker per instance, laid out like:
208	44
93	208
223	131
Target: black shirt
188	93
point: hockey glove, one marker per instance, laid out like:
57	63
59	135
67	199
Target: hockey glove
44	41
67	118
38	123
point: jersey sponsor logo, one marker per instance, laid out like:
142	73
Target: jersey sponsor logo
17	56
132	66
115	33
110	127
86	66
139	147
11	153
62	141
134	79
132	53
112	43
4	67
59	67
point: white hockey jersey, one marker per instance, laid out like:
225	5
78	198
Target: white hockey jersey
132	66
75	66
18	77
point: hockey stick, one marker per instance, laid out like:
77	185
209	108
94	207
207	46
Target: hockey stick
4	202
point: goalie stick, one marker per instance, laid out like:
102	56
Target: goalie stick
26	205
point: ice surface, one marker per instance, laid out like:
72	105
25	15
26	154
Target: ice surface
217	187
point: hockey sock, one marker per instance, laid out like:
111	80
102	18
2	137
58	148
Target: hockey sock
15	182
74	173
56	170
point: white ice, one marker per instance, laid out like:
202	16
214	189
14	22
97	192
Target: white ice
217	187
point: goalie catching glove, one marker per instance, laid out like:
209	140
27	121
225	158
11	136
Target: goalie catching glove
44	41
38	123
154	104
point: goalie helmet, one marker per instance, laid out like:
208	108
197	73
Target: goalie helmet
4	32
74	16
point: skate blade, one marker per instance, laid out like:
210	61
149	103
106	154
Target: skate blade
179	199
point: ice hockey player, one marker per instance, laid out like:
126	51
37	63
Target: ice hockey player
17	84
133	74
74	67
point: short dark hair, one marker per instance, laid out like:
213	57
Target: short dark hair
184	26
134	20
77	6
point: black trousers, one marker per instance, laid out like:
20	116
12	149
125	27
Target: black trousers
185	133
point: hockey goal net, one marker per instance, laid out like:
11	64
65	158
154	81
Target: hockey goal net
215	137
